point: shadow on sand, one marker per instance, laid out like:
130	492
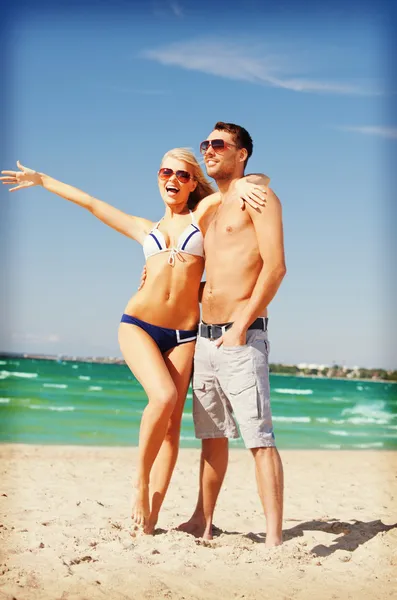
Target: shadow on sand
351	535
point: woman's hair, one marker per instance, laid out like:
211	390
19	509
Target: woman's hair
203	187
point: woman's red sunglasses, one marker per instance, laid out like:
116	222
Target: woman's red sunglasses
182	176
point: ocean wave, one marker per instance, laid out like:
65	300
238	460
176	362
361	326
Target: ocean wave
54	408
186	438
189	395
292	419
331	446
187	417
95	388
3	362
293	392
349	433
374	410
75	366
59	386
370	445
5	374
85	377
5	400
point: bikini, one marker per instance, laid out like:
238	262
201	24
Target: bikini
190	241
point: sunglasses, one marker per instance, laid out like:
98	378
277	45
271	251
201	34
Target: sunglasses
182	176
217	145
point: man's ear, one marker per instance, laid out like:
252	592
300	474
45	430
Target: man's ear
243	155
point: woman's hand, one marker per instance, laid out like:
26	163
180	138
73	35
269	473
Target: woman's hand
23	178
253	190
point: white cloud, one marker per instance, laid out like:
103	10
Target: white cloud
176	9
386	132
164	9
257	66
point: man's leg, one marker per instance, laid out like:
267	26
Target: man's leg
270	481
213	465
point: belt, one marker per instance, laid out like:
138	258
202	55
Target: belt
213	332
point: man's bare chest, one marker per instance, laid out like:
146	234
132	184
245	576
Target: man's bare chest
229	225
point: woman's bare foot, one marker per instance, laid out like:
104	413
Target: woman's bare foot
150	525
141	511
196	526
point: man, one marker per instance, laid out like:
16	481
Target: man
244	268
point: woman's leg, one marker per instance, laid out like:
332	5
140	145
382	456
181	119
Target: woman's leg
179	362
146	362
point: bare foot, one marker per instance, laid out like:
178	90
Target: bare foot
141	511
272	541
150	525
197	527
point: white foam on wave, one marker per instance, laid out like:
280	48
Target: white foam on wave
187	417
189	395
54	408
359	388
187	438
3	362
293	392
374	410
348	433
75	366
331	446
322	420
370	445
59	386
292	419
85	377
5	374
95	388
5	400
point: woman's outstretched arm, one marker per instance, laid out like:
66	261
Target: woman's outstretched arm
133	227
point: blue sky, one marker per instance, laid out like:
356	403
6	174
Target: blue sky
95	98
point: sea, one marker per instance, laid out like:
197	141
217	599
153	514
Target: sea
82	403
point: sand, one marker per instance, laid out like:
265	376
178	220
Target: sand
65	529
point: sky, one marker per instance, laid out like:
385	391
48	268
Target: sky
95	96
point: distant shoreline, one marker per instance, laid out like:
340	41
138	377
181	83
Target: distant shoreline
120	361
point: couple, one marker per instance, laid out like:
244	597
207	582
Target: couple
244	261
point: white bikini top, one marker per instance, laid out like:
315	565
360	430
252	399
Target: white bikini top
190	241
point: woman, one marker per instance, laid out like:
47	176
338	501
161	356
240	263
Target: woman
159	326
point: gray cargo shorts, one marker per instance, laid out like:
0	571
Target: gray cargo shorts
230	387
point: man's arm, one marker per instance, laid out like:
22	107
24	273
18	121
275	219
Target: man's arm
269	232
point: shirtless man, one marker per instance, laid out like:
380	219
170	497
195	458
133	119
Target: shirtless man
244	269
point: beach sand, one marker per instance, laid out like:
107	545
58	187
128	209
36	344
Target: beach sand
65	529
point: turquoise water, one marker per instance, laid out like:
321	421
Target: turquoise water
49	402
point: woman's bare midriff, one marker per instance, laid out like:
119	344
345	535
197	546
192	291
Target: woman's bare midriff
169	297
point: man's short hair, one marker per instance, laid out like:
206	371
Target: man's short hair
240	136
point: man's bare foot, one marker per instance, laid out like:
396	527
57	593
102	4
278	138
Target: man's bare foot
141	511
272	541
197	527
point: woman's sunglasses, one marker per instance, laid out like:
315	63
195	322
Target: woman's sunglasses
182	176
217	145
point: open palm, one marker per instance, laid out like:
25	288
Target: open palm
23	178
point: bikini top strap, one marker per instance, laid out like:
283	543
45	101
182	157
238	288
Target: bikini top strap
193	218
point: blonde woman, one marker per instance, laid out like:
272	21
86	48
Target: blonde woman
158	329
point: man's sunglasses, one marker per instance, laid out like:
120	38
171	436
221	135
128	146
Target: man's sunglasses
182	176
217	145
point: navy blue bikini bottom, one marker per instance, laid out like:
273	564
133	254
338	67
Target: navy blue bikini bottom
164	337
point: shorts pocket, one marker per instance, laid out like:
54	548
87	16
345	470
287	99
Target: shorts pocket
239	383
243	396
